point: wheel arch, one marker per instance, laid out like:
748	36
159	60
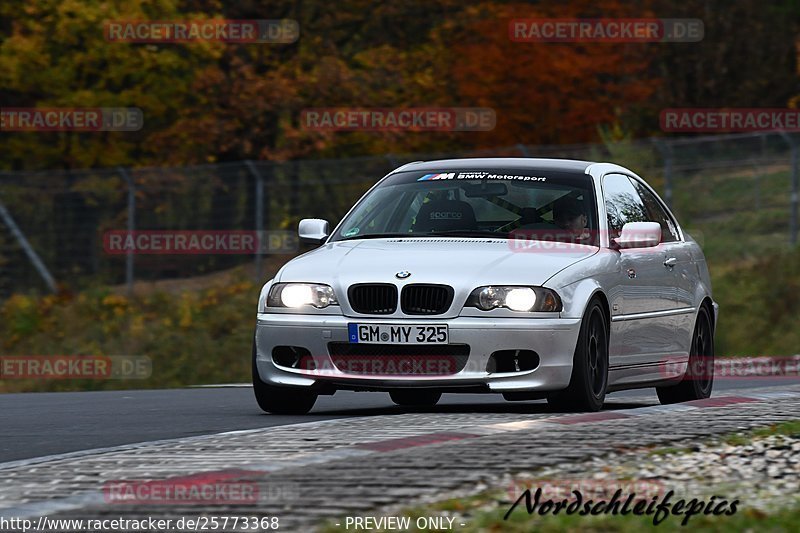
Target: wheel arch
577	296
708	303
600	295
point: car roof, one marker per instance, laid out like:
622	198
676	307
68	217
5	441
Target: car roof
496	163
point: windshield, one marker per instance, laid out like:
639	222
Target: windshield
498	204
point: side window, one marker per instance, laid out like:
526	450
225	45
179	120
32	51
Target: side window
669	231
623	203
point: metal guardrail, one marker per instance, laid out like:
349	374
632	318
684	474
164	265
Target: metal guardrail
52	222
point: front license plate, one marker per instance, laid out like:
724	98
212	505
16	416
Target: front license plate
396	334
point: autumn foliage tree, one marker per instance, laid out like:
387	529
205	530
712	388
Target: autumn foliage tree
214	102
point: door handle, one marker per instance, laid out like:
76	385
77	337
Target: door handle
671	262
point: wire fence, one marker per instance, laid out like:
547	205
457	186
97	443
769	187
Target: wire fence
737	193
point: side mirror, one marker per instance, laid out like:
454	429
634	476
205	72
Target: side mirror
313	230
639	235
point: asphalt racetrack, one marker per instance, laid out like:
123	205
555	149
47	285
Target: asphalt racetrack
43	424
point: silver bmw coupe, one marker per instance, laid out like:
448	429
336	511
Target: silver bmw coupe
532	278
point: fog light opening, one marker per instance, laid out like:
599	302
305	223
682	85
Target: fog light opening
510	361
293	357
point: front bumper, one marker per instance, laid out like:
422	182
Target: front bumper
553	339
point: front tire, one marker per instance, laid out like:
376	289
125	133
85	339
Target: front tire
699	378
415	398
587	386
280	400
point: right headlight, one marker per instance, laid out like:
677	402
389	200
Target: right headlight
515	297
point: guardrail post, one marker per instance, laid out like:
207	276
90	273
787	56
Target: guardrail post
33	257
756	168
259	214
795	196
131	227
666	152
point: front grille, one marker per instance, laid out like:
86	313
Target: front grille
423	299
399	360
373	298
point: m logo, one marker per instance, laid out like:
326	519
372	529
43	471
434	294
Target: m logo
441	176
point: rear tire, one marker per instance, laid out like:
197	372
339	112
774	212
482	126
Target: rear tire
699	378
280	400
415	398
589	381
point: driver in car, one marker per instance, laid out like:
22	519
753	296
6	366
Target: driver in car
568	214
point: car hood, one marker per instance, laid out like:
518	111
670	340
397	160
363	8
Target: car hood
463	264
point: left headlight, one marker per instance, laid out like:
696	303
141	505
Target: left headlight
296	295
516	298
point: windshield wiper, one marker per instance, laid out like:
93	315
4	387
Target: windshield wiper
378	236
445	233
466	233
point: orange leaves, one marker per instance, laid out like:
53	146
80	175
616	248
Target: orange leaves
547	92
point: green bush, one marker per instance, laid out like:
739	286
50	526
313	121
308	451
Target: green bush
190	337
